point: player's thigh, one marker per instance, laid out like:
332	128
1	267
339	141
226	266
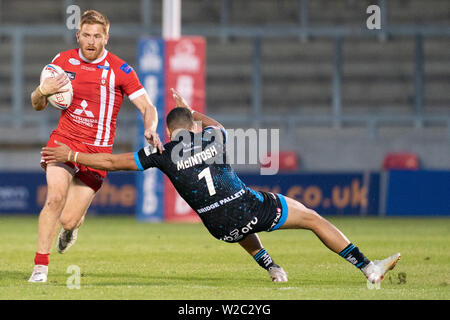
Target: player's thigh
59	178
79	198
299	216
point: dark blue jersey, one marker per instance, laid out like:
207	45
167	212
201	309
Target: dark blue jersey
197	167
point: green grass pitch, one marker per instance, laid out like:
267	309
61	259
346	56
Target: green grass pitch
121	258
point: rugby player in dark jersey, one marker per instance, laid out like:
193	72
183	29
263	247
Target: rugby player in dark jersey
196	165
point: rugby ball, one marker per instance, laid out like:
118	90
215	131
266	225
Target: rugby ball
60	100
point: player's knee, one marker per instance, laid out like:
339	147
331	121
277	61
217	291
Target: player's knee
311	218
55	202
68	222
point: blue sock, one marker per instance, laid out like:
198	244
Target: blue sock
352	254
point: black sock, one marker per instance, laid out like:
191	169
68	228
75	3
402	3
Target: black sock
264	259
354	256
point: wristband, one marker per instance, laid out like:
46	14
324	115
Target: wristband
75	159
40	91
69	155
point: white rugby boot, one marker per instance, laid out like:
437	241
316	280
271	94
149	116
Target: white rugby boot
277	274
66	239
377	269
39	274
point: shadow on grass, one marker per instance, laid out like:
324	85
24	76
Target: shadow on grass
13	276
130	279
97	279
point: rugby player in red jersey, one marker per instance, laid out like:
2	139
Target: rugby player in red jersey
100	80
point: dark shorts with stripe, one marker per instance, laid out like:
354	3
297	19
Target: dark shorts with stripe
254	212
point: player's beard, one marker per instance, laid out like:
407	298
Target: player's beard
92	54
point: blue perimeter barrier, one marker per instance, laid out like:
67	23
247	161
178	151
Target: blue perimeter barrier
327	193
418	193
25	192
408	193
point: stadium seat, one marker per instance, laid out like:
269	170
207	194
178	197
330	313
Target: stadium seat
288	161
405	161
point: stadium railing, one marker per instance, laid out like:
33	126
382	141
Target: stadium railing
224	30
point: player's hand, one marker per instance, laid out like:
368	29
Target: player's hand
57	154
179	100
153	138
54	85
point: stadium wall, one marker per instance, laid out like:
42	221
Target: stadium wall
392	193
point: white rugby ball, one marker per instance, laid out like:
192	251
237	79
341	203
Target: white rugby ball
60	100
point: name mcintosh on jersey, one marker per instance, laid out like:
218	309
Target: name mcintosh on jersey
197	158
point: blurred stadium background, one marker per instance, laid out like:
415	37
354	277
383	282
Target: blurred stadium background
346	99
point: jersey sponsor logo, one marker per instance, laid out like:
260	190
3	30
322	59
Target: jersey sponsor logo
71	75
237	234
88	68
277	218
221	202
84	105
126	68
88	122
74	61
208	208
102	67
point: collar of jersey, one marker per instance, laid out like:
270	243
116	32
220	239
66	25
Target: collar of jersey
95	61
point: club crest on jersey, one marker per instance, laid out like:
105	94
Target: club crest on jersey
126	68
103	81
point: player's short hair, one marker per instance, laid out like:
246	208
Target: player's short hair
94	17
179	118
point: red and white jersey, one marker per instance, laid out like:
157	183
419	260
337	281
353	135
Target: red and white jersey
98	90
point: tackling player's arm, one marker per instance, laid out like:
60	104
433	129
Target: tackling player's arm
150	116
100	161
132	87
205	120
48	87
148	110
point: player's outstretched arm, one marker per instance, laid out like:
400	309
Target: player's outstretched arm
205	120
100	161
150	115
